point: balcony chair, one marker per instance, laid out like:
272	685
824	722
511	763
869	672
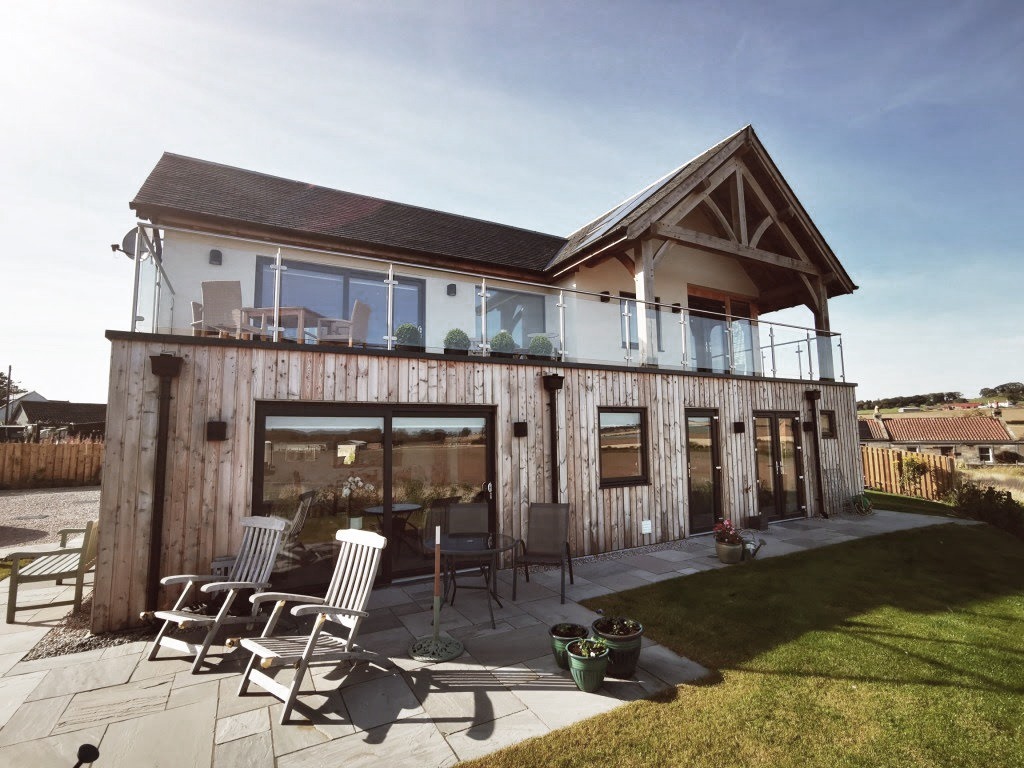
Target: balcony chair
351	332
261	539
53	565
220	313
546	543
344	605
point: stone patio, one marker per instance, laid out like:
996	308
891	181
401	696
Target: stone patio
504	689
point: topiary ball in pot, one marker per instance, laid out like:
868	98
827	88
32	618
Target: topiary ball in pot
504	342
540	346
456	338
408	335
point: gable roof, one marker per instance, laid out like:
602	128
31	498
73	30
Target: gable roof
185	185
871	429
61	412
970	429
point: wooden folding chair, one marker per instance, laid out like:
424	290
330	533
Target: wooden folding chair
261	539
344	604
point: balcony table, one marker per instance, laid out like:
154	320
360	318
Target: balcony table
299	318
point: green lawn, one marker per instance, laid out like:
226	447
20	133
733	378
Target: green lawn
901	650
894	503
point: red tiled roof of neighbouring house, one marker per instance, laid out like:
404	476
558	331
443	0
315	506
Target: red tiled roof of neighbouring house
972	429
185	185
871	429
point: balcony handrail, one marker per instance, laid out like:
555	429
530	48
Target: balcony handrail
553	289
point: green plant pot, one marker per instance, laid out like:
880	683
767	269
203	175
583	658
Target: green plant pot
730	554
623	652
558	646
587	672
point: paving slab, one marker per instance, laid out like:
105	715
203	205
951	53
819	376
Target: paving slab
14	691
54	751
413	743
98	673
255	751
242	725
114	703
33	720
175	738
489	737
380	701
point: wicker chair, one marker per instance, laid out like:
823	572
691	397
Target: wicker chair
547	543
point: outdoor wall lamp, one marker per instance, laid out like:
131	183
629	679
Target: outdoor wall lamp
216	257
606	296
451	289
519	429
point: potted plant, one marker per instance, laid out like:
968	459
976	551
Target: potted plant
728	543
456	342
563	634
503	344
408	337
588	660
622	637
541	348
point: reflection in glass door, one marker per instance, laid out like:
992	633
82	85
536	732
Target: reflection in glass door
437	460
321	473
779	473
704	467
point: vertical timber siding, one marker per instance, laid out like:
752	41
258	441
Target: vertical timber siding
209	483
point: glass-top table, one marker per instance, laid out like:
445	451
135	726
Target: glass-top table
482	547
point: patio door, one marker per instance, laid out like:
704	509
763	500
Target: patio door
704	470
437	458
324	467
780	479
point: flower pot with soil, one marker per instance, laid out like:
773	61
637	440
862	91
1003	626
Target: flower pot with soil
540	348
623	638
409	338
561	635
728	543
503	344
588	660
456	342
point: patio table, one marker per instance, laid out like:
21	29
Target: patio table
290	317
483	546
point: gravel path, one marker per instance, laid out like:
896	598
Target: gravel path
34	517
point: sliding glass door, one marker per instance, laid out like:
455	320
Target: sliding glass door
325	467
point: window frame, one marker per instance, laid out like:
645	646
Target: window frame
991	454
346	274
828	425
633	480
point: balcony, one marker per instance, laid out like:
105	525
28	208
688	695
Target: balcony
206	284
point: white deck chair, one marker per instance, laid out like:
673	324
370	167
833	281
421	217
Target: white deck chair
344	604
261	539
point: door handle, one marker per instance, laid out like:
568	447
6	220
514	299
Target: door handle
490	490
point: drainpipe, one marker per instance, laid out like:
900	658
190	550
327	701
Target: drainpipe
167	367
813	396
553	383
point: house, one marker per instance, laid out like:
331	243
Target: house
60	418
25	397
971	439
296	339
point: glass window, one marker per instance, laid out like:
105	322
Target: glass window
985	454
622	436
521	314
331	291
828	424
634	334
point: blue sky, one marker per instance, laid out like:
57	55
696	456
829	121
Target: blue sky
896	123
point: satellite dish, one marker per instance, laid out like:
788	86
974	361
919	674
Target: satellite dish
132	248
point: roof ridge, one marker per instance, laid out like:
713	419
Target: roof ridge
360	195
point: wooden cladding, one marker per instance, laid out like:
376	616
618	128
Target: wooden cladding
49	465
209	483
884	471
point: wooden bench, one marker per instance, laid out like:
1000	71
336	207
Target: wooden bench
53	565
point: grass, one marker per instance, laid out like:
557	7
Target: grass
894	503
900	650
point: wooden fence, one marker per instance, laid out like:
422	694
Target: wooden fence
49	465
883	471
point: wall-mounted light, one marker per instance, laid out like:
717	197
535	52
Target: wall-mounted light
216	257
451	289
739	427
677	308
216	431
519	429
606	296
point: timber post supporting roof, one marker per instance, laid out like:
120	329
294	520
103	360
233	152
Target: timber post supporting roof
749	212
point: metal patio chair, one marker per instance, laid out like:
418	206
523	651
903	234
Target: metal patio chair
261	539
344	605
546	543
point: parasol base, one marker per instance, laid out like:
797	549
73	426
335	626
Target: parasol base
435	649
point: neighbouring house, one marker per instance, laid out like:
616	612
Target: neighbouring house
26	397
341	360
970	439
60	418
